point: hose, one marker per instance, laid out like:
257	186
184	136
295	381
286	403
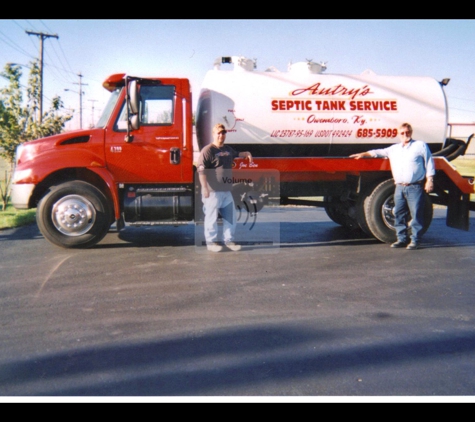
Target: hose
454	148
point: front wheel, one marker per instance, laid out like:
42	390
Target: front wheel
379	212
74	215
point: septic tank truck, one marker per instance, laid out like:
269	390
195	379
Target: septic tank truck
136	167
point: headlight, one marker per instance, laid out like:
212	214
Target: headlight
18	151
21	175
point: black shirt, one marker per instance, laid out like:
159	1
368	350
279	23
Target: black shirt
217	164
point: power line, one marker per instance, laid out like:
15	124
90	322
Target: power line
13	45
62	51
47	64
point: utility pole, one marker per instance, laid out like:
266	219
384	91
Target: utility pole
42	37
80	99
92	114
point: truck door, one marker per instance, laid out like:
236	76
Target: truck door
154	153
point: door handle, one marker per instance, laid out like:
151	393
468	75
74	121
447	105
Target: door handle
175	155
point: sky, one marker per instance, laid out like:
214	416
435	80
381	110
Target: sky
187	48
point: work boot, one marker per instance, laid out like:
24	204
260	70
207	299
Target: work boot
214	247
412	246
233	246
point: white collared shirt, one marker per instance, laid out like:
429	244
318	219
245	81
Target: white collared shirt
409	163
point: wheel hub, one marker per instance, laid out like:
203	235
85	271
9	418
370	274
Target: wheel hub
73	215
388	212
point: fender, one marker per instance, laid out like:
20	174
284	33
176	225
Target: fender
76	150
47	163
105	175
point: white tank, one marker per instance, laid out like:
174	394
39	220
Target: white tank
304	112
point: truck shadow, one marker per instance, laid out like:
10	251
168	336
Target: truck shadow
290	234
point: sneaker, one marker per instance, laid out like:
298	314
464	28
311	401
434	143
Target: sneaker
412	246
214	247
233	246
398	244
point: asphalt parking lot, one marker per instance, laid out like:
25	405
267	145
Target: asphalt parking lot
314	313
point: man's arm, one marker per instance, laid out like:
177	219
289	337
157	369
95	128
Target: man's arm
246	154
204	183
361	155
429	185
203	164
430	170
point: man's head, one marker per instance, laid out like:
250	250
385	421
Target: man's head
219	134
405	132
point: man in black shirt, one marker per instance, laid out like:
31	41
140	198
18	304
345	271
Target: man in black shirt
215	173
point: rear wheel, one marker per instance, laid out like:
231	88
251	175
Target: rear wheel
379	212
74	215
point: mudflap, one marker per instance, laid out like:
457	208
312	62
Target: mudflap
458	210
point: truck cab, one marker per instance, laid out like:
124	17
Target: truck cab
136	165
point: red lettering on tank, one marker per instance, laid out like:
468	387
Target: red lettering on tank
339	89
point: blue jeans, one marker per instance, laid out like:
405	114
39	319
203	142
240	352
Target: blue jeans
222	203
409	204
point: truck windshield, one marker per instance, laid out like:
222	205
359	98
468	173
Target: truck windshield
108	109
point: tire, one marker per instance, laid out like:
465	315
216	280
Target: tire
361	216
378	210
74	215
340	212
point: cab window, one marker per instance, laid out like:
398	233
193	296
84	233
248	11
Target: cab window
156	106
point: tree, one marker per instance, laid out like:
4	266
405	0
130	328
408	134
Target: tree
5	193
18	118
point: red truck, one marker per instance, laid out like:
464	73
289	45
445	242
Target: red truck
136	166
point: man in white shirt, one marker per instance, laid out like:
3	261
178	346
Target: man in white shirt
413	171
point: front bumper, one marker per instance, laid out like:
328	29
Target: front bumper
21	195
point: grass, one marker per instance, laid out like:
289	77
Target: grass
465	166
11	217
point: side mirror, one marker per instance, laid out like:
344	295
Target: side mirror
133	105
134	122
134	100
